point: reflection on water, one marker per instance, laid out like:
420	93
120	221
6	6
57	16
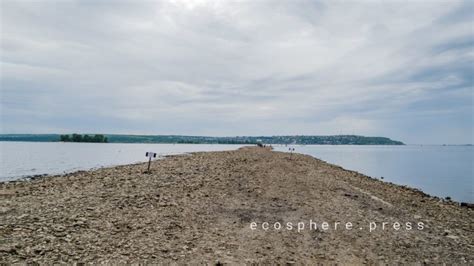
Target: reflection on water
437	170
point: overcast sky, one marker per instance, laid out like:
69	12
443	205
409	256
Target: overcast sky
400	69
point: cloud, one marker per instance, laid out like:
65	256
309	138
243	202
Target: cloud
239	68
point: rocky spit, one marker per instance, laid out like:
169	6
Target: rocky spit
199	208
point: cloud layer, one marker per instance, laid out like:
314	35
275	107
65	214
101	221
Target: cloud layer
401	69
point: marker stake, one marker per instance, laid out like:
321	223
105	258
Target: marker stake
150	155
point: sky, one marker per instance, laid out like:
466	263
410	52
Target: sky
399	69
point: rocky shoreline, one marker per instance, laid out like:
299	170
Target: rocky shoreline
226	207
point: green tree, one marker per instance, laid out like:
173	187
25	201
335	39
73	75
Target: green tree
97	138
76	137
87	138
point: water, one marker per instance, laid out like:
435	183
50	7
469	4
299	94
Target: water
437	170
19	159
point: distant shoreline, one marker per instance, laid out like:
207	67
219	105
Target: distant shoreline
242	140
409	144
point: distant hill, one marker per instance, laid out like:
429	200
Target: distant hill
305	140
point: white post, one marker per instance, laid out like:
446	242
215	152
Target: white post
150	155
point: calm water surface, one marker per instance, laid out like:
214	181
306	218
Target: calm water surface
437	170
19	159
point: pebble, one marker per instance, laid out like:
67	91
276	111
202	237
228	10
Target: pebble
96	216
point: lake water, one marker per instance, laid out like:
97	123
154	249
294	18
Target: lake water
19	159
437	170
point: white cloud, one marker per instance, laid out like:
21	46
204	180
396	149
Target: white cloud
240	68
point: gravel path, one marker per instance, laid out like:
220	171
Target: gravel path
202	208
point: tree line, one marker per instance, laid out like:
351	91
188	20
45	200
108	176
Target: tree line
83	138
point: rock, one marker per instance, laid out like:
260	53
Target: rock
467	205
58	228
4	210
22	216
10	250
105	213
